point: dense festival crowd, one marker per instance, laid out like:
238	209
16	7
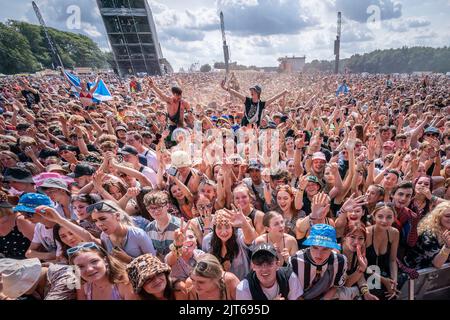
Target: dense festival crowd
262	186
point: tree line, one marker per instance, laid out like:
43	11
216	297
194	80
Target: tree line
402	60
24	49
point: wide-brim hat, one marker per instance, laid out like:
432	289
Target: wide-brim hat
19	276
143	268
322	235
181	159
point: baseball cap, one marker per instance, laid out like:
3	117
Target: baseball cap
28	202
22	126
319	155
82	169
126	150
433	130
257	88
254	164
18	174
264	249
322	235
313	179
118	128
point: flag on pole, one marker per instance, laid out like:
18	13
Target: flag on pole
101	93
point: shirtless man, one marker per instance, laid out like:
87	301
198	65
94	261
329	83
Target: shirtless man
176	106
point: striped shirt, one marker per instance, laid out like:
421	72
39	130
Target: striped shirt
306	270
163	238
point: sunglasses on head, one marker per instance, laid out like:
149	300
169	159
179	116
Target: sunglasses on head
86	245
99	206
201	266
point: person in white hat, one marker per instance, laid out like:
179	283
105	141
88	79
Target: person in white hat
28	279
190	177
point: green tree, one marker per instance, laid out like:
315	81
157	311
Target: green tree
15	52
205	68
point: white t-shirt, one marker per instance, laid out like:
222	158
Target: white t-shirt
152	161
44	237
150	174
295	291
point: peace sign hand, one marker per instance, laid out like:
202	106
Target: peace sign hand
180	233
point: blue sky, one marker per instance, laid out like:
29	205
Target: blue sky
260	31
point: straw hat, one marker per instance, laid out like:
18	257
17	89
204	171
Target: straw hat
19	276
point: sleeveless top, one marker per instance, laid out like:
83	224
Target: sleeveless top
14	245
115	295
382	260
253	112
86	95
176	118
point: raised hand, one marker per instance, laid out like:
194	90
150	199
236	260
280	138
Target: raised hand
362	260
352	203
48	213
180	233
236	216
446	238
303	183
132	192
351	140
320	205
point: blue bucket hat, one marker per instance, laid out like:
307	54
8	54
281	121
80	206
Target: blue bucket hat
28	202
322	235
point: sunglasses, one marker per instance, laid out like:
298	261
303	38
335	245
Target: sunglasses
431	135
86	245
204	207
99	206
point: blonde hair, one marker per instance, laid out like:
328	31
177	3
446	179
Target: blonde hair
213	271
432	221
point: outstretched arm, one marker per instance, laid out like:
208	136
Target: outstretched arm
276	97
233	92
161	94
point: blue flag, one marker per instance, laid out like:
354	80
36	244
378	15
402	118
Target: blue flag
101	94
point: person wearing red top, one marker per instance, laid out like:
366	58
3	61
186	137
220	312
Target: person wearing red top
406	220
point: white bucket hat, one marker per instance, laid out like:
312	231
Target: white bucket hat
19	276
181	159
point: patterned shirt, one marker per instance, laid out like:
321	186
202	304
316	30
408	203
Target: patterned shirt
163	238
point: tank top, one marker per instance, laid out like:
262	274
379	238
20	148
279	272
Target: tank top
86	95
14	245
176	118
115	295
382	260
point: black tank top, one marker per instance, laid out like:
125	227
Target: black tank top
383	260
176	118
14	244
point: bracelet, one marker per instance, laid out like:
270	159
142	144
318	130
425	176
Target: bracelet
433	198
370	161
364	291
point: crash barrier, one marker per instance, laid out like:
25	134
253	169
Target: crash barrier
432	284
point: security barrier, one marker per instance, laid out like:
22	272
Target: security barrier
432	284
